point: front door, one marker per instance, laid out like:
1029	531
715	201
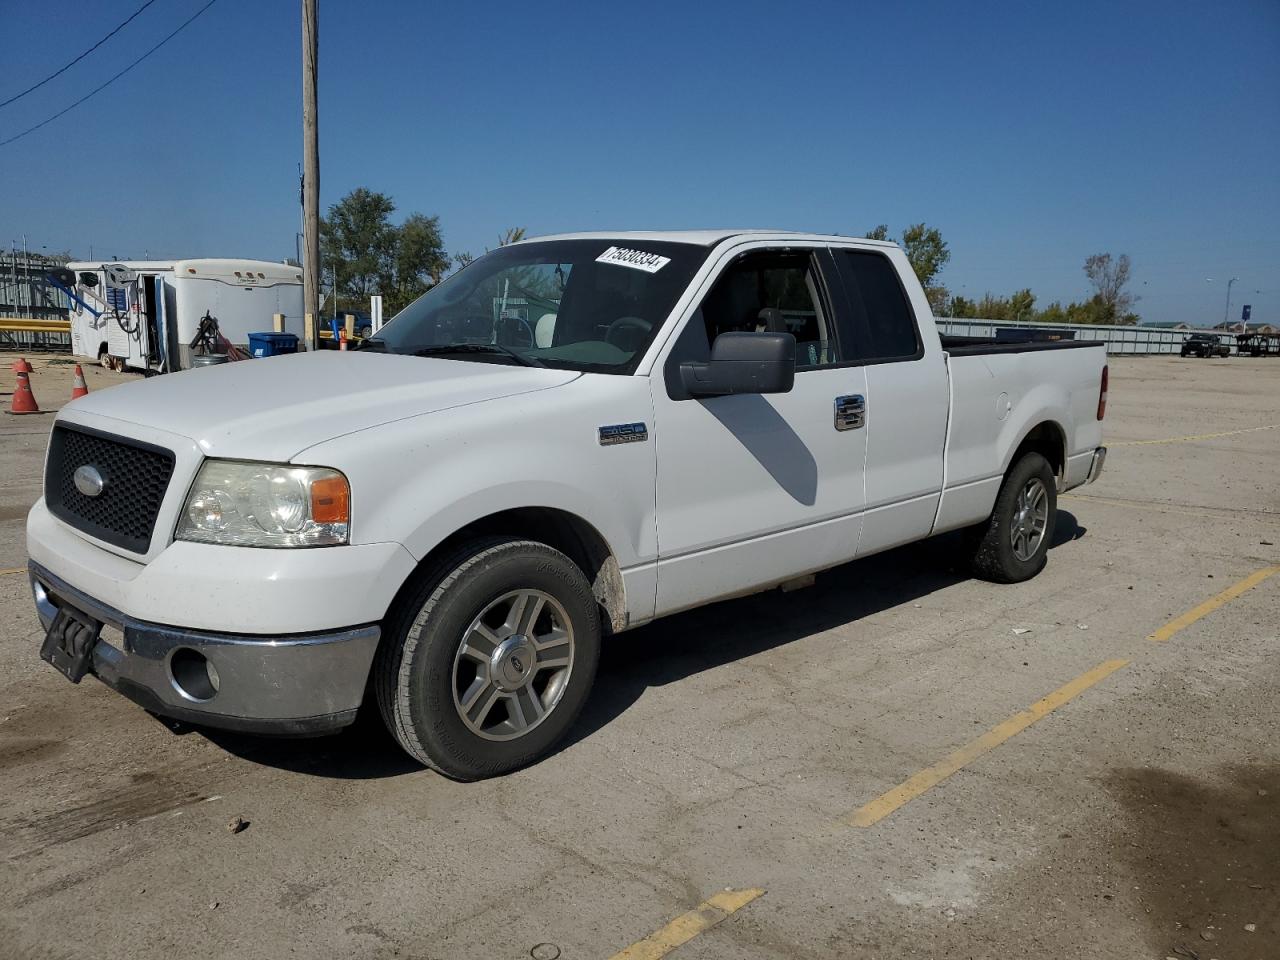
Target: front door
755	489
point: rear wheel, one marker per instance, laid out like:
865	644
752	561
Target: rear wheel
1013	544
488	664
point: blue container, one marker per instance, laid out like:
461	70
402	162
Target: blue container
272	344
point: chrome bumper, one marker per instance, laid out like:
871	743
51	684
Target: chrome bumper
1095	465
294	685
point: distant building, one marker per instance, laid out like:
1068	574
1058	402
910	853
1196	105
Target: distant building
1237	326
1167	325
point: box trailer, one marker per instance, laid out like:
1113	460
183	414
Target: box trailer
144	314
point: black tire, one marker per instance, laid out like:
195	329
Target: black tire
414	673
989	545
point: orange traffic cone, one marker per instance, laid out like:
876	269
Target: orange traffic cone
21	365
342	339
24	401
78	387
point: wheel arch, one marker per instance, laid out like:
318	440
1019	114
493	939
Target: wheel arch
560	529
1048	439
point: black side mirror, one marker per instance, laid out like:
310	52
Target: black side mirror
743	363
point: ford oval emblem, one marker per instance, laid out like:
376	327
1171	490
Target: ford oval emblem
88	480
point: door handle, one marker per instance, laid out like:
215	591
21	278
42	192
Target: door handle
851	412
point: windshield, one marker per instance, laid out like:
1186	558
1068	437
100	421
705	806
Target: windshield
591	305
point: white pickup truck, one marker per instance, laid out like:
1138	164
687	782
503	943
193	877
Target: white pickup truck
569	437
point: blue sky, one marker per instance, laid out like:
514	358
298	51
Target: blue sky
1032	135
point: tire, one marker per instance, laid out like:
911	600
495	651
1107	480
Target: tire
425	681
991	546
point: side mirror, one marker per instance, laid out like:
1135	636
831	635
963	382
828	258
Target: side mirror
743	363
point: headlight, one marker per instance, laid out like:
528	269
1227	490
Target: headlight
266	505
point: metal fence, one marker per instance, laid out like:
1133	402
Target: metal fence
1130	339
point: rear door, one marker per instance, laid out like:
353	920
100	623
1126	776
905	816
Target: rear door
907	397
757	488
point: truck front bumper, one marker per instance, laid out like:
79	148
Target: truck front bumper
299	684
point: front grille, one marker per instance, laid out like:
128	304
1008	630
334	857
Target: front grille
135	476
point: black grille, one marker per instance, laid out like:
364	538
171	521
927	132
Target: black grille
135	476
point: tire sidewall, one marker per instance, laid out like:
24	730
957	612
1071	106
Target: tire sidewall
1032	465
436	632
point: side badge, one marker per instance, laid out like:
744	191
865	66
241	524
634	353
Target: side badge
623	433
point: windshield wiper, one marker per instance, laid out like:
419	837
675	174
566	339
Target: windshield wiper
441	349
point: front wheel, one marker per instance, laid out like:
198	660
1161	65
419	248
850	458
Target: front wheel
1013	544
488	664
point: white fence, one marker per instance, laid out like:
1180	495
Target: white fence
1118	339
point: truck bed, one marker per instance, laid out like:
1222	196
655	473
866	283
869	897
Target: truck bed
999	391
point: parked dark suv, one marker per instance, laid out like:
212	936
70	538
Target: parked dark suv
1205	345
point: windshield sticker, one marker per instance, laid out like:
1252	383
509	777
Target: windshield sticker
635	259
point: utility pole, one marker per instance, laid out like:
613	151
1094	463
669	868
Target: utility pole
1226	312
310	177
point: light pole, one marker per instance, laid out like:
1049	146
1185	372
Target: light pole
1226	311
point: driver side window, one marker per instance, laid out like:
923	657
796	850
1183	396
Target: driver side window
772	292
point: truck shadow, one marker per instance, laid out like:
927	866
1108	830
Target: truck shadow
689	643
665	652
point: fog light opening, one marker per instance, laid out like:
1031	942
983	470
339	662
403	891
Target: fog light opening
193	675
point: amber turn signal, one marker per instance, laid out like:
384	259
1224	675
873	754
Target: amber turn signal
330	500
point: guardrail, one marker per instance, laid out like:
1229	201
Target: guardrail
1119	339
35	334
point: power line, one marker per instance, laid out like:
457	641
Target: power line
102	87
79	58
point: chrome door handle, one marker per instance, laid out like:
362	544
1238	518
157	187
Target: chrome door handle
851	412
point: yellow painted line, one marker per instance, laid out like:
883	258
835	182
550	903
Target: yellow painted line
930	777
1199	436
1191	616
9	571
684	928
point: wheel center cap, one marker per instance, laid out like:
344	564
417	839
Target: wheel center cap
512	663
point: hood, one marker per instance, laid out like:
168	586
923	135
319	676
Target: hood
274	408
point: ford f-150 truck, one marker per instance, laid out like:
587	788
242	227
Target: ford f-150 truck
567	438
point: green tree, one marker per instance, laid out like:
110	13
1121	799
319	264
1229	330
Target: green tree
1091	311
927	253
1022	305
1109	277
356	240
961	308
512	235
365	253
1054	313
420	258
926	250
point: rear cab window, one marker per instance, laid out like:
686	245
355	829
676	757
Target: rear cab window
877	321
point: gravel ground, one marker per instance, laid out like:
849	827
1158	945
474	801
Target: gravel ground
726	748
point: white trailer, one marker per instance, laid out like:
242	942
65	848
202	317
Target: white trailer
143	314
